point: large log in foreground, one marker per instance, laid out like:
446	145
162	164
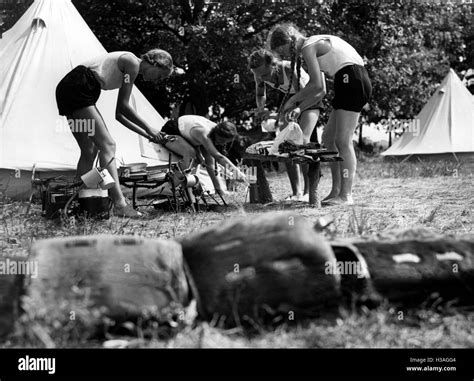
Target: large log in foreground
10	290
128	276
410	271
251	268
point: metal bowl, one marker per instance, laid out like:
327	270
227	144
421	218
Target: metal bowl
135	167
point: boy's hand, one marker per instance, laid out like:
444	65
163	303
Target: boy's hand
200	159
242	177
294	114
282	122
261	115
161	138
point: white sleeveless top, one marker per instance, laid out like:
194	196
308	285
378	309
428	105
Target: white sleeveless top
341	54
106	70
286	81
187	122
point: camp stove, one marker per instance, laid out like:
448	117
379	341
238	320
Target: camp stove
55	194
63	197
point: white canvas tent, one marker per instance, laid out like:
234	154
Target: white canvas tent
445	125
49	40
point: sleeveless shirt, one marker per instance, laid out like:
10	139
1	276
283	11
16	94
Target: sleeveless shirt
187	122
340	55
106	70
286	81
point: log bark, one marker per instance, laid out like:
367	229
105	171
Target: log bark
410	271
127	275
264	192
250	269
10	291
356	286
313	177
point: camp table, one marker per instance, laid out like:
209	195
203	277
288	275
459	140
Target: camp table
148	181
312	157
142	181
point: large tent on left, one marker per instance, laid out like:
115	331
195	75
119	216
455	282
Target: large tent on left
49	40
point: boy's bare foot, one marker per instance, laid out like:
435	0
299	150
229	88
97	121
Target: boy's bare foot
126	211
330	196
304	197
338	201
298	197
292	198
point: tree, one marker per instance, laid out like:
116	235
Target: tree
209	41
414	46
10	13
408	46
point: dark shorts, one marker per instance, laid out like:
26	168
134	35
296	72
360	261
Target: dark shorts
352	88
78	89
171	128
315	106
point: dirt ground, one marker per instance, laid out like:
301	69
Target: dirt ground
426	198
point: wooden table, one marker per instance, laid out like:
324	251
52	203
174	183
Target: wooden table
312	158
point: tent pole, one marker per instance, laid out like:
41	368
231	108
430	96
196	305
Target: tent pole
406	159
454	154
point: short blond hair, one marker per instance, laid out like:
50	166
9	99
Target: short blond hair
160	58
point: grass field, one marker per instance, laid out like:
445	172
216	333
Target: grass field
428	198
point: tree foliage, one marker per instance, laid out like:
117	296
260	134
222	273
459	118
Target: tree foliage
407	46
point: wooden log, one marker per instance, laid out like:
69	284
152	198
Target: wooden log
313	177
10	291
264	192
129	276
356	285
411	270
249	266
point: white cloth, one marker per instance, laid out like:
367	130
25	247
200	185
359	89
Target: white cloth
292	132
260	147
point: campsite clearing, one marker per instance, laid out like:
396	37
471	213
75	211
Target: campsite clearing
389	197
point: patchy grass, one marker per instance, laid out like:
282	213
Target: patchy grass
436	197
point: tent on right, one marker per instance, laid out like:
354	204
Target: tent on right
444	126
